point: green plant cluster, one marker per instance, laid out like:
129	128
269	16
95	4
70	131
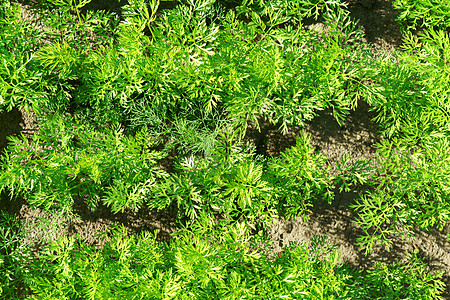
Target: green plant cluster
205	261
423	13
412	191
182	68
411	97
185	80
410	91
67	162
149	107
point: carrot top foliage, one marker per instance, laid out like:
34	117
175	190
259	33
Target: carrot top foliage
117	94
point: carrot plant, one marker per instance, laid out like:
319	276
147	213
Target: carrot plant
115	92
20	83
67	161
412	191
14	257
299	177
220	261
410	94
410	90
423	13
226	182
181	68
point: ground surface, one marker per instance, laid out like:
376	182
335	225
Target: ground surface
356	137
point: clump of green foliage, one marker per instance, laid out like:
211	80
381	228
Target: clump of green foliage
215	261
227	182
66	161
14	257
298	176
20	84
424	13
115	93
412	191
409	91
410	94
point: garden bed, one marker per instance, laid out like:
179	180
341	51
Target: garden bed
357	136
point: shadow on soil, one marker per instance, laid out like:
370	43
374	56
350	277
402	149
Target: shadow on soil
12	123
162	222
377	19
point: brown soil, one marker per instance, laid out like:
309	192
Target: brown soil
40	226
357	137
377	20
